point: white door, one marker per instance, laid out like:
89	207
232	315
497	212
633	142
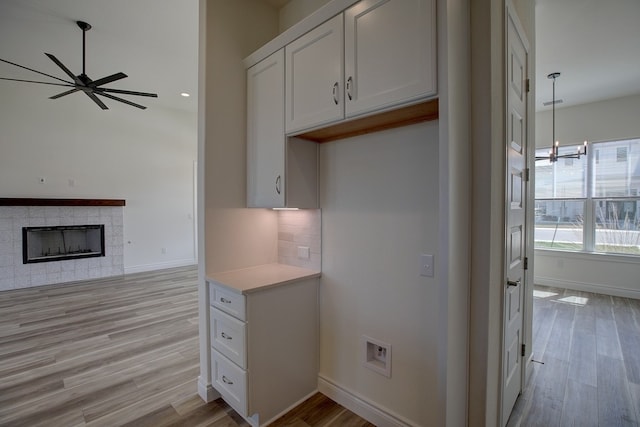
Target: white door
265	132
390	48
314	77
514	288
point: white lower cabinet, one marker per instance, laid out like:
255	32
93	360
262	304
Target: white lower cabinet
264	356
230	381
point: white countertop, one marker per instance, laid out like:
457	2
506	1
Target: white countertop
252	279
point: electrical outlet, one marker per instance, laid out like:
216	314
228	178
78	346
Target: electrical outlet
304	252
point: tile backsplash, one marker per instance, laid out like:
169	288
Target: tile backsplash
300	229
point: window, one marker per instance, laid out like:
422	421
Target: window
590	204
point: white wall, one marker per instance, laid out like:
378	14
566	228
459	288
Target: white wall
145	157
235	236
296	10
454	213
379	197
598	121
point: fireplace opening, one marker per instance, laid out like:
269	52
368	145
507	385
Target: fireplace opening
56	243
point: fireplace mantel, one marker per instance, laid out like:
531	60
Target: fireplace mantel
60	202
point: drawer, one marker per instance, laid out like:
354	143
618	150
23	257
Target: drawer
230	381
227	301
228	336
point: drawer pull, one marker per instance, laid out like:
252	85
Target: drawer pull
224	300
225	336
226	380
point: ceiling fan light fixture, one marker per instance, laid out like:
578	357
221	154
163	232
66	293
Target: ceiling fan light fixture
82	82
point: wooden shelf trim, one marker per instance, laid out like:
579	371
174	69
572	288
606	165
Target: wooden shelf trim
416	113
61	202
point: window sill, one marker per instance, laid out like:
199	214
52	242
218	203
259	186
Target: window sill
590	256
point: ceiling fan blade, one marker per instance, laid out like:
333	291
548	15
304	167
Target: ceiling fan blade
35	71
108	79
60	95
127	92
96	100
35	81
65	69
115	98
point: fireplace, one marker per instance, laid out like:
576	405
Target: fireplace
56	243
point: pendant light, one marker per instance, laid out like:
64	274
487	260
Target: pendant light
554	154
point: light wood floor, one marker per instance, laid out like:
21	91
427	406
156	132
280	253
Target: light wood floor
114	352
586	349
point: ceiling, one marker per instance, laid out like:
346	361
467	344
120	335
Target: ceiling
154	42
595	44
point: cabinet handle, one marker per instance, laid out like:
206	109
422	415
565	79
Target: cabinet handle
225	336
224	300
335	93
349	87
226	380
278	180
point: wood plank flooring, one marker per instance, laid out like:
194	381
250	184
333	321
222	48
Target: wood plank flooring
586	349
117	352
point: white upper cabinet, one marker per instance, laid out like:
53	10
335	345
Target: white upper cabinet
359	63
390	48
314	77
281	172
265	132
377	55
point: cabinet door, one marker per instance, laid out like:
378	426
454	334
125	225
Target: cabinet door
314	77
265	132
390	50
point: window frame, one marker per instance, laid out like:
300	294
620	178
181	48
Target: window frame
590	200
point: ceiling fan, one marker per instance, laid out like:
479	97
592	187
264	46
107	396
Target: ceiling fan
82	82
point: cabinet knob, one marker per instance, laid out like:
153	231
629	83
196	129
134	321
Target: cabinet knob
226	380
335	93
225	336
349	87
278	181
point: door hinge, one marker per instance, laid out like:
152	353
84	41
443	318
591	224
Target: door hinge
527	85
526	263
526	175
523	349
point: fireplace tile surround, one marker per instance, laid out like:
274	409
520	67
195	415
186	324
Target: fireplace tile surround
14	274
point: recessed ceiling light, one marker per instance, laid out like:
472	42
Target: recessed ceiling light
185	94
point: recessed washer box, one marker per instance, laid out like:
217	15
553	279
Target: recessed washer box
376	355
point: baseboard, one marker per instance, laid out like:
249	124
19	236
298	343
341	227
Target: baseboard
587	287
206	391
159	266
361	406
268	422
